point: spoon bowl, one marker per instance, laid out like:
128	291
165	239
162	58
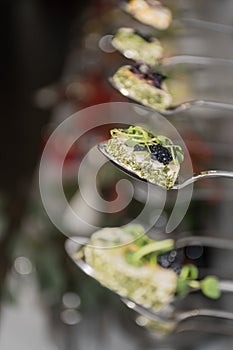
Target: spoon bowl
74	248
184	106
184	21
179	183
169	319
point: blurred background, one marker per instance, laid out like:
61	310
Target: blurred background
56	58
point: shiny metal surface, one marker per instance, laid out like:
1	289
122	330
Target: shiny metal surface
183	183
182	107
170	315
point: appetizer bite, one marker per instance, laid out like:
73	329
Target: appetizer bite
140	279
148	272
150	12
152	158
137	47
144	85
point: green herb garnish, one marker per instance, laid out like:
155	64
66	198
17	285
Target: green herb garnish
210	287
137	135
147	250
188	280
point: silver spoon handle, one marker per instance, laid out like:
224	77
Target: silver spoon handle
207	327
211	104
226	286
179	316
181	107
198	23
204	312
205	175
182	59
198	103
157	317
211	242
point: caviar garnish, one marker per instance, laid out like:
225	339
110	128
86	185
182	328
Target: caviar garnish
145	72
172	260
161	154
160	147
158	78
146	37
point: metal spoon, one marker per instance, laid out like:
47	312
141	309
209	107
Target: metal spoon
194	22
74	248
175	317
182	106
201	176
164	62
168	317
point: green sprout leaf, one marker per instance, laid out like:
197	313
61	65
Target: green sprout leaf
165	141
178	148
189	272
177	153
180	156
157	247
131	143
182	287
137	135
210	287
129	257
188	275
142	241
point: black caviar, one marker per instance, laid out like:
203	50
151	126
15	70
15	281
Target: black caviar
161	154
172	260
145	72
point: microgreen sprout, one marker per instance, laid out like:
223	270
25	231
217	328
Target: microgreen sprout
137	135
187	280
146	251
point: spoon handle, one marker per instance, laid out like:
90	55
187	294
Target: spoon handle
177	316
198	103
205	175
183	59
212	242
226	286
157	317
204	312
198	23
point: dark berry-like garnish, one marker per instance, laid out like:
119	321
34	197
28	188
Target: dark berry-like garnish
145	72
158	78
161	154
146	37
172	260
141	70
139	148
